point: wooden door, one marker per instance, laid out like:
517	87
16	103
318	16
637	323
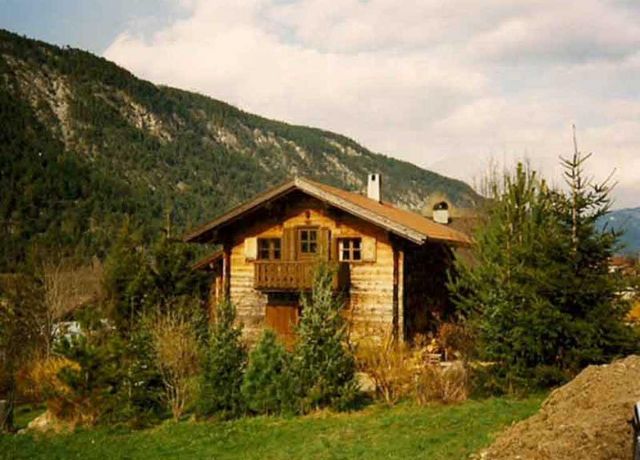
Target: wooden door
282	318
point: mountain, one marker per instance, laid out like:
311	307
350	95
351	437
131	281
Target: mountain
85	145
628	222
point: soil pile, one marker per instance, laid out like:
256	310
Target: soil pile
586	418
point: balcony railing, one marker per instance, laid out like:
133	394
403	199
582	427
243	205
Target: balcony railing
293	275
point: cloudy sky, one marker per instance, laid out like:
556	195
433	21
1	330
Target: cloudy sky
448	85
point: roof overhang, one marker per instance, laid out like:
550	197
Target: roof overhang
207	262
207	232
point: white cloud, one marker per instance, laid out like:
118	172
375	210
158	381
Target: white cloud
442	84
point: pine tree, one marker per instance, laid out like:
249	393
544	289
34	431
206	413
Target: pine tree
502	294
267	386
540	294
224	365
588	291
324	367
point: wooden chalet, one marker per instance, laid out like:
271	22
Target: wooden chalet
391	264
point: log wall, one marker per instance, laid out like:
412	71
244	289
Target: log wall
369	303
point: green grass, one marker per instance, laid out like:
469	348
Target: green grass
24	414
438	432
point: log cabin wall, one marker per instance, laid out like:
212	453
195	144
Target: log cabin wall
370	299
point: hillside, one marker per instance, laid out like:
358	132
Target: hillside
85	144
628	222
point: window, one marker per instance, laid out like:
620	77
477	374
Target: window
350	249
269	248
308	238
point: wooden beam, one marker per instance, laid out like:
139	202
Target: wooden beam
226	270
396	292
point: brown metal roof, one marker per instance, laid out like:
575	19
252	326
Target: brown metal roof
406	224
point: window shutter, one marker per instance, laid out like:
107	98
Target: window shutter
289	243
368	249
324	241
335	256
251	248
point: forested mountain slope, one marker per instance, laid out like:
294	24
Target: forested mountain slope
626	221
84	144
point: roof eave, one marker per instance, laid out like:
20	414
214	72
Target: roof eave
345	205
202	234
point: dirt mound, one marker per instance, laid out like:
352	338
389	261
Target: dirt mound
586	418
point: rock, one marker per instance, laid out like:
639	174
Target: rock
365	382
47	422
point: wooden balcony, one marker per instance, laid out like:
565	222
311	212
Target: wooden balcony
293	275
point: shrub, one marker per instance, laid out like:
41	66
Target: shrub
435	383
39	380
456	339
140	392
388	363
400	371
267	385
178	358
224	365
323	365
91	378
112	380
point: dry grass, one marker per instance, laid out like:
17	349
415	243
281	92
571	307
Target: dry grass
39	381
445	384
399	371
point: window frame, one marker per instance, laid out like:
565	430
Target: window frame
300	242
273	248
350	249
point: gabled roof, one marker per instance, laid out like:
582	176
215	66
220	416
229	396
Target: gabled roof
406	224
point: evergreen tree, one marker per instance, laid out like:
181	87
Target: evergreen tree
142	281
267	386
588	291
224	365
540	295
503	293
323	365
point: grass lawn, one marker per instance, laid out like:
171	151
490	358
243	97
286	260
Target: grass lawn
404	431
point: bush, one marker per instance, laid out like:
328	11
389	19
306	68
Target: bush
400	371
224	365
457	341
323	365
39	381
91	379
267	385
178	358
111	380
388	363
435	383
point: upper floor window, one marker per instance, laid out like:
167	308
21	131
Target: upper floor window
269	248
350	249
308	240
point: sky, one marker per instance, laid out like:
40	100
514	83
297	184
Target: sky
451	86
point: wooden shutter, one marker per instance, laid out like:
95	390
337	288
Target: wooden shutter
334	255
368	249
251	248
289	243
324	242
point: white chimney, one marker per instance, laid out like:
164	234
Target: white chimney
373	187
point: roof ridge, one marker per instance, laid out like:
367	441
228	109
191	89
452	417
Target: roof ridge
409	224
